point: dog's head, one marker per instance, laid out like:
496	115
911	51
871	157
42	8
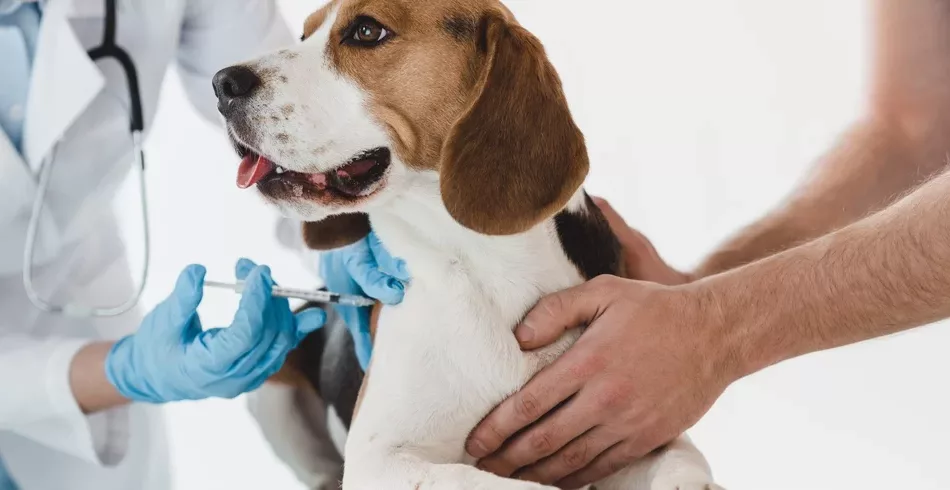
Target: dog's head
384	94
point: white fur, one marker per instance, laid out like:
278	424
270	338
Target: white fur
294	423
329	123
446	355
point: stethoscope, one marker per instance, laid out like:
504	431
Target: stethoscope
108	49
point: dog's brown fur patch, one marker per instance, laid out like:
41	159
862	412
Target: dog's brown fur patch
515	157
492	116
336	231
420	53
316	19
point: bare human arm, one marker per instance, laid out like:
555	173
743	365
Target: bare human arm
881	275
763	300
900	143
87	378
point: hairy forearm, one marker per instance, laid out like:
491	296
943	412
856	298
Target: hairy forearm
903	140
871	165
881	275
87	377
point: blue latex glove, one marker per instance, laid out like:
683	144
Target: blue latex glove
364	268
170	358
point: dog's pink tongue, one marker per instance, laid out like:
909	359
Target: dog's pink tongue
253	168
319	180
356	169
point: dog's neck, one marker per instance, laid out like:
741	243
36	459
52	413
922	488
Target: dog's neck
513	271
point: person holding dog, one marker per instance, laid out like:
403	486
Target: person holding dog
858	252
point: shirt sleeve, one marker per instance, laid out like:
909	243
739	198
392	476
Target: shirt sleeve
37	400
218	34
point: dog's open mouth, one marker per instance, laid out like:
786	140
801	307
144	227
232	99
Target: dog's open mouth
357	178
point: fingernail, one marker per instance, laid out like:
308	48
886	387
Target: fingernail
524	334
477	450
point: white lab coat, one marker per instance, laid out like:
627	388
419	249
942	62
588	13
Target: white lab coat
45	441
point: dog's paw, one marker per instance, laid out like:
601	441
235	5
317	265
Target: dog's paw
694	486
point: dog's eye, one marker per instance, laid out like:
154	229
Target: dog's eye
365	31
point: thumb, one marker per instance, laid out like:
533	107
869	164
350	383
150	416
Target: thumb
183	303
558	313
243	268
248	328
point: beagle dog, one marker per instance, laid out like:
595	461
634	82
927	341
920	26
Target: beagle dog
443	124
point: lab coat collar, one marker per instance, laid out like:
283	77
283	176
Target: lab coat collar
64	80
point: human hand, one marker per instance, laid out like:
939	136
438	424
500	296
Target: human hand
651	363
641	259
364	268
170	358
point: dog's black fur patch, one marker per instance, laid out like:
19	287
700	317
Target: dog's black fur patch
588	241
328	355
331	366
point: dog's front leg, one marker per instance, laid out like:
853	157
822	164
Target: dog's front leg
399	469
293	421
677	466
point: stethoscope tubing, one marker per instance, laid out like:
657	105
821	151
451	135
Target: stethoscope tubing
108	49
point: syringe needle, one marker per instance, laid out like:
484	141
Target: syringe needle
306	295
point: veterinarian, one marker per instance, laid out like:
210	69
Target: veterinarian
859	251
66	420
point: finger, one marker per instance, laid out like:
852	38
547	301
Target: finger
387	263
617	224
362	267
280	337
560	312
248	333
551	386
543	439
242	268
181	307
642	260
629	238
614	459
308	321
573	457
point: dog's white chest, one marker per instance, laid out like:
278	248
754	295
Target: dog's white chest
446	355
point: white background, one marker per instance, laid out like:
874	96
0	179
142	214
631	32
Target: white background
699	116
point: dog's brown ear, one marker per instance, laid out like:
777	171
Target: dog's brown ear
336	231
515	156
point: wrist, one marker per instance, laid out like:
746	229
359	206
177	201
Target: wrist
717	343
757	323
89	382
120	371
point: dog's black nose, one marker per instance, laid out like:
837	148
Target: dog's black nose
232	83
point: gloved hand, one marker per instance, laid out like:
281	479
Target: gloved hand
365	268
170	358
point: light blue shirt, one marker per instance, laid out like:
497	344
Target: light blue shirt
19	29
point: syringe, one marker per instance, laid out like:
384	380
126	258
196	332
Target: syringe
304	294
